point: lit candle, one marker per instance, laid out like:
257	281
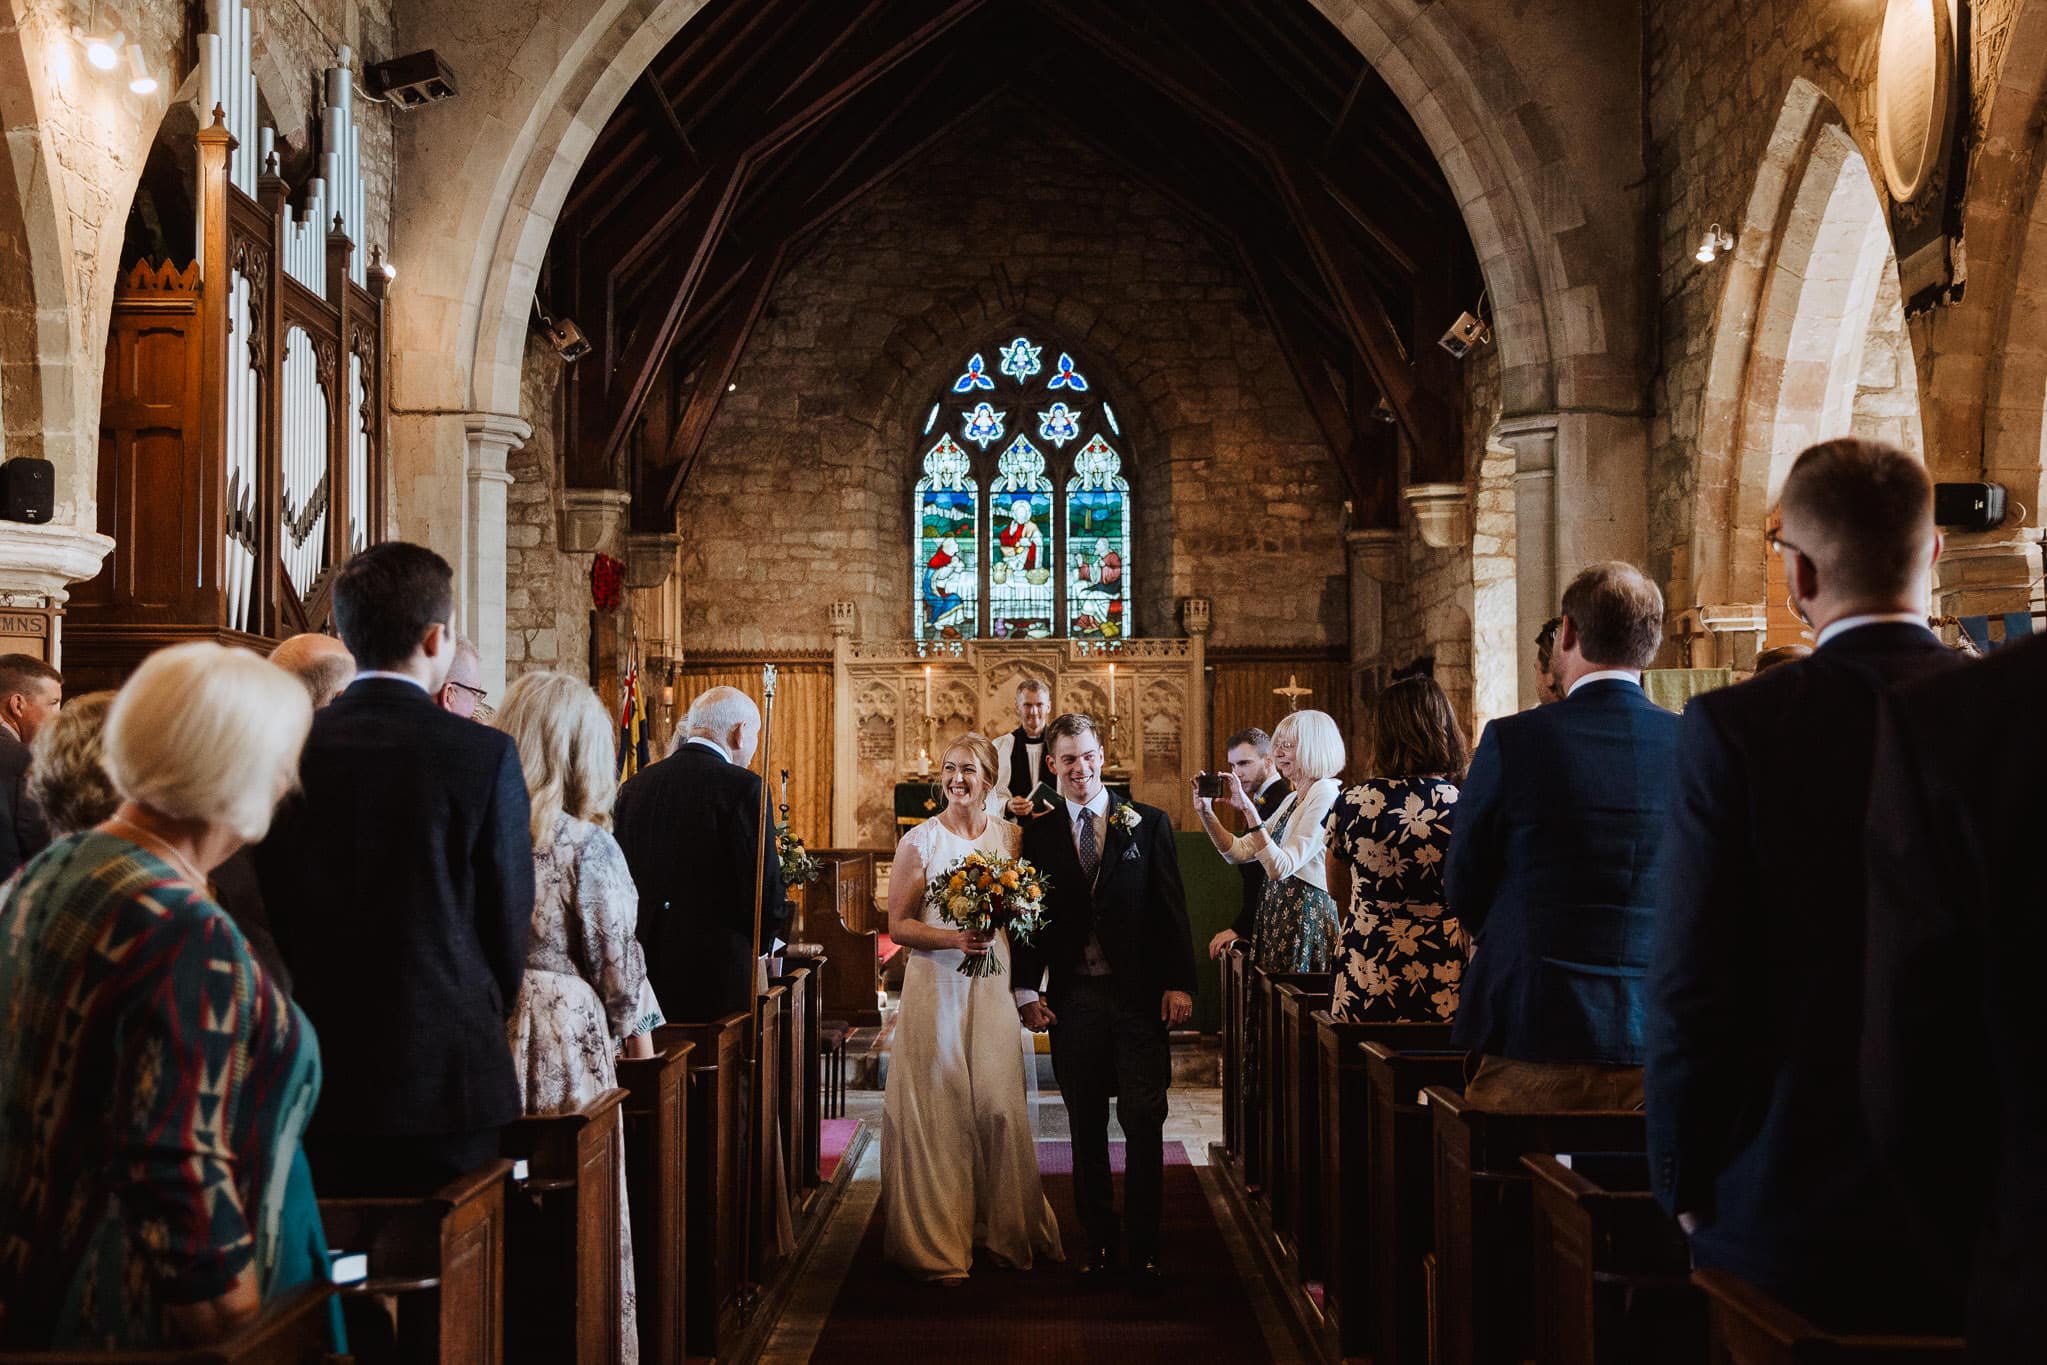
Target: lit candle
1112	689
927	691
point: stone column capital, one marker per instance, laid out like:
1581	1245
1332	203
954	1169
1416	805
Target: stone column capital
1727	618
492	436
844	616
650	558
42	560
1196	615
592	518
1442	513
1532	437
1375	551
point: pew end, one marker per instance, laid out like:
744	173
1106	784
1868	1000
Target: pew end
1611	1278
439	1261
1745	1326
563	1284
719	1084
838	913
1398	1306
290	1331
656	1114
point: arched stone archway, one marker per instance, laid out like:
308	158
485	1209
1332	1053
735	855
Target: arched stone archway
1809	343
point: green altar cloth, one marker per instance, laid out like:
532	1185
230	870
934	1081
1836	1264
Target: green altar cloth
1671	688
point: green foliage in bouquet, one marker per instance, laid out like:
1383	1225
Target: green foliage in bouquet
798	867
984	892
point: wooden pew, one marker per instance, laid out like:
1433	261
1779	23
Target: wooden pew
1483	1200
837	911
562	1271
1745	1326
810	1084
441	1259
1401	1180
1612	1270
656	1114
1342	1208
1268	1095
1236	1010
799	1096
766	1167
718	1086
1297	1158
291	1331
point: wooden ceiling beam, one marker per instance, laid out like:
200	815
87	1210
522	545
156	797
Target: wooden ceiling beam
715	368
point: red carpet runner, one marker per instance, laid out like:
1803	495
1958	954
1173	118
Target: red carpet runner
1044	1313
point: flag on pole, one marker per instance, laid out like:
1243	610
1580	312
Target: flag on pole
632	721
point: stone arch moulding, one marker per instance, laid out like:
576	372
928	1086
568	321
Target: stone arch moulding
1813	207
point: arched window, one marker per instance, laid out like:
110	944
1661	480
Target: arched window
1055	545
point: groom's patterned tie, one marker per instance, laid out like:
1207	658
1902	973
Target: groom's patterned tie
1084	842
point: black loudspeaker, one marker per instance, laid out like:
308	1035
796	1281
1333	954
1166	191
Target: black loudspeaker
1968	506
28	489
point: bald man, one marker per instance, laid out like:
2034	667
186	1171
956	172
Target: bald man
321	662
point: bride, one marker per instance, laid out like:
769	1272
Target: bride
959	1167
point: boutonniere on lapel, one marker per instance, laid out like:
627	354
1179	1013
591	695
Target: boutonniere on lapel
1126	815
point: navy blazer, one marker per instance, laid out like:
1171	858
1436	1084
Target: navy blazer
690	829
399	885
22	831
1552	872
1755	992
1136	909
1955	1040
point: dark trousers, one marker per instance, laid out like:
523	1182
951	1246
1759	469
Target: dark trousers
412	1166
1103	1045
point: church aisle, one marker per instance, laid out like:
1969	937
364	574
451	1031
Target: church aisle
853	1307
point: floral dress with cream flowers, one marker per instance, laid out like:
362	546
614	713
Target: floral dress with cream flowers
1402	957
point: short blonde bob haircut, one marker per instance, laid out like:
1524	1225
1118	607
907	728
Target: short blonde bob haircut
205	732
67	779
567	749
1316	742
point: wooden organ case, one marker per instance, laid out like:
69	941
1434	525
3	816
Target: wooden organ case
242	417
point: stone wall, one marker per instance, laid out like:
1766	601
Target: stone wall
547	593
802	494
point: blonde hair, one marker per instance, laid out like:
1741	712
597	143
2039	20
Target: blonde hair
566	749
205	732
977	744
66	778
1316	742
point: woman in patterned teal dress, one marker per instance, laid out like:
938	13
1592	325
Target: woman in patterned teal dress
1402	956
154	1081
1296	923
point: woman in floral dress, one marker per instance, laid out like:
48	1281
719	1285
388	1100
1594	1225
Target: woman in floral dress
585	997
1402	957
1296	925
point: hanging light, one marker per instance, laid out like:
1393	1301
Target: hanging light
140	81
1712	244
103	52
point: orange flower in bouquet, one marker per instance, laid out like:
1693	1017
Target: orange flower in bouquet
984	892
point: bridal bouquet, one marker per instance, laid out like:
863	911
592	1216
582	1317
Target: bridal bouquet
983	892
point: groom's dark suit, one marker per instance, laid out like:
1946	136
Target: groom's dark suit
1110	1038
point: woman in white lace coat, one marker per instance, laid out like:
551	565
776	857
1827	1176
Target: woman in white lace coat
585	996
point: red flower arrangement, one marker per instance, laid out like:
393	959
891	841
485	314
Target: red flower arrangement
607	582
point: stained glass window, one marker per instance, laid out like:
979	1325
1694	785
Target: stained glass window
1097	543
1020	421
947	576
1020	587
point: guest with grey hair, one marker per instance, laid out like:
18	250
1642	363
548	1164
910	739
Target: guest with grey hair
321	662
690	828
462	693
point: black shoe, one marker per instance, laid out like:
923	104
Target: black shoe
1097	1266
1148	1279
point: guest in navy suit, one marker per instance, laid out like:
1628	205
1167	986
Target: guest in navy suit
1552	865
1756	1136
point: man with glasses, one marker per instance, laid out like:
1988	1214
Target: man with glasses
1757	1140
1121	962
462	694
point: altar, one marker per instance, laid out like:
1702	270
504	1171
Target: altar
906	698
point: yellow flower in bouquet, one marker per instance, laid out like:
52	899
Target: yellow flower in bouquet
983	893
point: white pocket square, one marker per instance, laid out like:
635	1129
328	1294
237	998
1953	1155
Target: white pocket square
1132	854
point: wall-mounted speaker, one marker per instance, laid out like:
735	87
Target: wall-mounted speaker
1968	506
28	489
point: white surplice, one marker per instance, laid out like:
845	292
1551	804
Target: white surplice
959	1164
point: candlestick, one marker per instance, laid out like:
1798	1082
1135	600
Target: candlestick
927	691
1112	689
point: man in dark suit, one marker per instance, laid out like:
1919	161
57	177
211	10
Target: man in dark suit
1756	1136
399	883
1121	960
1954	1039
1250	756
690	828
30	693
1552	866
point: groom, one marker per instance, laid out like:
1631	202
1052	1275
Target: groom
1122	974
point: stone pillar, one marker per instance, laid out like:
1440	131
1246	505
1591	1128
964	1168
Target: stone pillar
480	568
38	564
845	731
1988	574
1533	440
1197	619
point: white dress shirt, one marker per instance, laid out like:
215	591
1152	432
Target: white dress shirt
1299	854
713	745
1627	675
1874	618
397	677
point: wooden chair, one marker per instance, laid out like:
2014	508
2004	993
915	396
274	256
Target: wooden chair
1483	1200
563	1281
1342	1209
440	1260
1611	1278
291	1331
717	1127
1298	1158
1402	1184
1745	1326
838	913
656	1114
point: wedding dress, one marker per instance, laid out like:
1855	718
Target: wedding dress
959	1166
